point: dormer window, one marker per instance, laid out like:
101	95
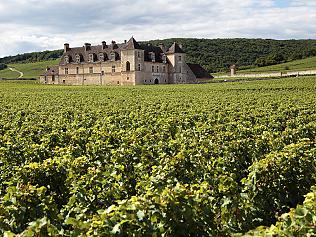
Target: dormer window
91	58
66	59
152	56
101	57
78	58
164	58
113	56
180	58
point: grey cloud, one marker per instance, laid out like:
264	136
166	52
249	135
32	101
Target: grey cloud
49	23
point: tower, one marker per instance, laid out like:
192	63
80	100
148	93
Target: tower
232	70
176	57
132	60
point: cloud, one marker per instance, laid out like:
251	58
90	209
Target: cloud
31	25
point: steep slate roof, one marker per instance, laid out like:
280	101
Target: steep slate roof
175	48
51	71
117	48
199	71
148	48
72	52
132	44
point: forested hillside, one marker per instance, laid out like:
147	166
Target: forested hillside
216	54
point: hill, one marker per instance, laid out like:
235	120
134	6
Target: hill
29	70
216	55
296	65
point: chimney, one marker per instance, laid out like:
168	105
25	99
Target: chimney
87	46
66	47
113	45
104	46
125	41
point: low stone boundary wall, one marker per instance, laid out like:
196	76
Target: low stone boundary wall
273	74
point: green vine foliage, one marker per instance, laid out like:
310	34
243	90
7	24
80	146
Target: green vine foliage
300	221
174	160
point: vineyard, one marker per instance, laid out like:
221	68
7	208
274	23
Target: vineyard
176	160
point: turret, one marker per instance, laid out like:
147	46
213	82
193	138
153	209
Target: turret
232	70
176	57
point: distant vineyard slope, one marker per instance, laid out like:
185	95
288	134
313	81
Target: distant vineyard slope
28	70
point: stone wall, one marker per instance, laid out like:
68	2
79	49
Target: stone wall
273	74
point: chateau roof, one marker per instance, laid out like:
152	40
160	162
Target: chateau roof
84	54
51	71
199	71
175	48
117	48
132	44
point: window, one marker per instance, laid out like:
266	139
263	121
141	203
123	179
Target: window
91	57
164	58
45	79
153	68
128	66
102	73
90	69
53	78
139	67
77	70
127	78
66	59
180	69
157	68
78	58
138	54
118	82
180	58
113	56
64	82
152	56
101	57
66	70
164	69
113	69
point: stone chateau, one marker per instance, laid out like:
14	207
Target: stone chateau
129	63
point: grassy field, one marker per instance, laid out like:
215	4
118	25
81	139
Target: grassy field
165	160
297	65
30	70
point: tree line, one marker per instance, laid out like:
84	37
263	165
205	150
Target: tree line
215	54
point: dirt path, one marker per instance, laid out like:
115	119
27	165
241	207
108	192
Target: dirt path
15	70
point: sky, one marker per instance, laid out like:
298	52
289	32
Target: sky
37	25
